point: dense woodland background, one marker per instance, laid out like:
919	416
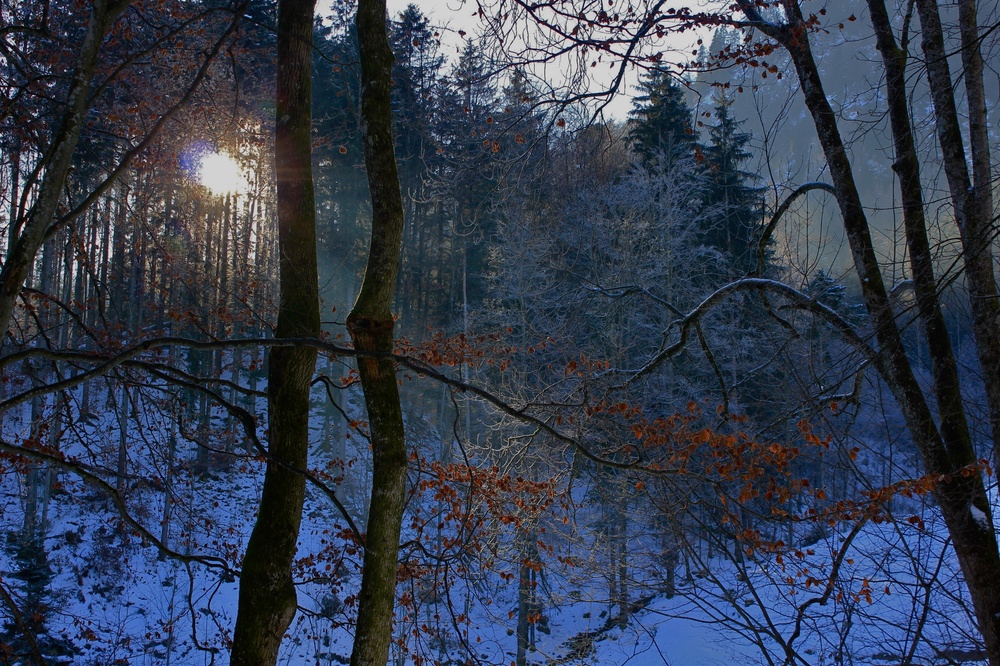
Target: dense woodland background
631	406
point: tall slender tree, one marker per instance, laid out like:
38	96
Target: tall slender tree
468	176
26	237
371	326
971	190
416	74
943	440
267	600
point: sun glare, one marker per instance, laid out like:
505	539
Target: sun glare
220	174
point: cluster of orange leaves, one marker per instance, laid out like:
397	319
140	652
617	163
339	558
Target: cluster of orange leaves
451	351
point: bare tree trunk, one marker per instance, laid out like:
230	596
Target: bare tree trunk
947	386
116	265
37	477
946	450
528	606
371	327
14	225
972	197
267	600
101	292
975	94
39	217
622	556
32	521
168	485
202	454
121	469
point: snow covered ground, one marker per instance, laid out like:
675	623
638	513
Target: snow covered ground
897	597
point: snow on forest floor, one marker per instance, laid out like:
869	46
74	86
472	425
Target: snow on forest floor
135	604
116	602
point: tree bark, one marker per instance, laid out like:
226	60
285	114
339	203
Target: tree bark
947	386
947	451
267	600
523	599
972	198
371	327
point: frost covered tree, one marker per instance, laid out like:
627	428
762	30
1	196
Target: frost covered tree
937	416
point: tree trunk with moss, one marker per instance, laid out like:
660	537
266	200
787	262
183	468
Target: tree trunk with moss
267	600
371	327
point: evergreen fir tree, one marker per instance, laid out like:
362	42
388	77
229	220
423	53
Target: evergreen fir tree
341	186
662	133
467	130
427	246
732	203
35	575
832	293
522	119
415	74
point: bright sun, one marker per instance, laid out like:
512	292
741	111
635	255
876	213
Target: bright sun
220	174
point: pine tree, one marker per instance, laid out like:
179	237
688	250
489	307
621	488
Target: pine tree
35	574
415	74
427	250
662	133
341	188
733	204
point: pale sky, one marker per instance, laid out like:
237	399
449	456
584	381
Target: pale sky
458	15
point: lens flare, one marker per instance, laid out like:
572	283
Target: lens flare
221	174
